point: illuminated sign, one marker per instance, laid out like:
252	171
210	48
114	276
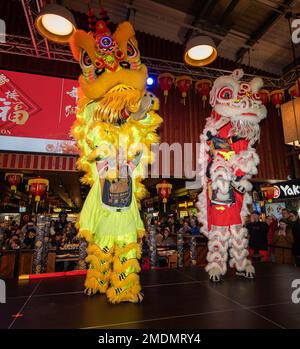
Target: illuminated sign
36	113
287	190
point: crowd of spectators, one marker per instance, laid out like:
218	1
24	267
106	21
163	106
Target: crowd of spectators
275	240
168	227
14	236
169	232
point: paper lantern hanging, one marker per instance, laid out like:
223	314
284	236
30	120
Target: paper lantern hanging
37	187
164	191
203	88
183	83
14	179
294	90
264	96
276	98
165	81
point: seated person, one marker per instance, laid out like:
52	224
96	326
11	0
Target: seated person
167	240
29	240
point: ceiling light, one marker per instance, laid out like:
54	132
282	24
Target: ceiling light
200	51
55	23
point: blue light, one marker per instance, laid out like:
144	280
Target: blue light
150	81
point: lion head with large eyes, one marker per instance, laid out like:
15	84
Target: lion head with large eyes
239	102
112	71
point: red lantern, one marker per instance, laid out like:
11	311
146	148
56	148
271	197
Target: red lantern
294	90
203	87
276	98
183	83
14	179
165	81
38	187
268	192
264	96
164	191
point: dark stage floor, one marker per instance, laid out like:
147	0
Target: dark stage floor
173	299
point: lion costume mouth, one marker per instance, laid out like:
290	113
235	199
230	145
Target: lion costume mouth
118	103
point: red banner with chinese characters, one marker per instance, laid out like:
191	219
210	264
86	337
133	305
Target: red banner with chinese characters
36	113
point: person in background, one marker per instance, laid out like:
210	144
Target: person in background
295	224
15	244
70	232
258	237
29	240
2	238
159	237
52	230
57	242
186	229
283	239
167	240
171	225
195	231
9	241
272	223
286	215
31	225
61	223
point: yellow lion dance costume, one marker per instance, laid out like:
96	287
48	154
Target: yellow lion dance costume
115	126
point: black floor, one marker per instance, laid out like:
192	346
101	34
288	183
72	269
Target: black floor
173	299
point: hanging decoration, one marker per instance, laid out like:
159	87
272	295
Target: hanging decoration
14	179
183	83
164	191
203	88
276	98
294	90
38	187
166	80
264	96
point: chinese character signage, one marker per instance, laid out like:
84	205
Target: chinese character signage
36	113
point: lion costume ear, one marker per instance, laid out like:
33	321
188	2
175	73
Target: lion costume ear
81	40
123	33
256	84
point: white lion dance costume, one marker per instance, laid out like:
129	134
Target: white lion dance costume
227	162
115	126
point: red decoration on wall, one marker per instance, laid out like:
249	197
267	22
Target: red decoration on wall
183	83
38	187
164	191
165	80
203	87
264	96
276	98
14	179
294	90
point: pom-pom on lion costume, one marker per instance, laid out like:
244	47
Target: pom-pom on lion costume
115	126
227	162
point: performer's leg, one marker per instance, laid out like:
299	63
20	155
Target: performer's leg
239	252
100	257
217	252
124	281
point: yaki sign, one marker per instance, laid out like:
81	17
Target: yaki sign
287	190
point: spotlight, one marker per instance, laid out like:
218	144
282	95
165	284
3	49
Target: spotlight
200	51
55	23
150	81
